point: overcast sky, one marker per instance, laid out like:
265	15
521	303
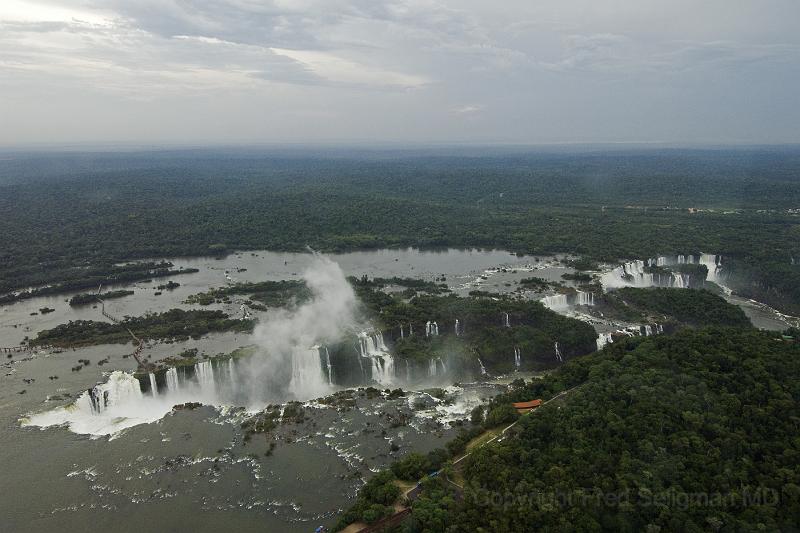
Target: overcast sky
503	71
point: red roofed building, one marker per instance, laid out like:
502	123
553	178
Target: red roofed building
527	407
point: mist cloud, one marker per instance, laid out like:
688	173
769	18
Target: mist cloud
288	338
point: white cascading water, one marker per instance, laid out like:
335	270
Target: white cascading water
558	352
603	339
119	403
308	379
714	265
373	347
648	330
517	358
506	320
456	328
204	372
105	409
585	298
408	371
633	274
433	367
402	333
555	302
483	368
232	375
119	389
330	367
383	369
431	329
171	378
359	356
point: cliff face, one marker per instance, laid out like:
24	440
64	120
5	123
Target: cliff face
775	283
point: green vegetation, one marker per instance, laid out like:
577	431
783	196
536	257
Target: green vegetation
374	501
599	205
534	329
91	297
175	324
413	284
83	277
270	293
578	276
702	412
688	432
683	306
537	284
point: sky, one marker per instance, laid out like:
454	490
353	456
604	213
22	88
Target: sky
399	71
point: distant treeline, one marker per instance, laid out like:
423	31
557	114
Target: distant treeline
71	213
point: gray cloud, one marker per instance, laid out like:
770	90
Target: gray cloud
405	70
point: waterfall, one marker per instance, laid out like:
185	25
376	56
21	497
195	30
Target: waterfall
171	378
383	369
506	320
431	329
557	301
204	372
558	353
457	332
308	379
232	374
402	333
433	366
120	388
153	386
603	339
585	298
633	274
372	346
517	359
714	265
408	371
360	364
330	367
483	368
648	330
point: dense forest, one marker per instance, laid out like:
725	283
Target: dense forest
66	214
695	431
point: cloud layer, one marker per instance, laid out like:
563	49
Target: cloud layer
399	70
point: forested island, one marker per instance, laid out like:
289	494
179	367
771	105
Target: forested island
693	307
486	328
73	278
91	298
172	325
